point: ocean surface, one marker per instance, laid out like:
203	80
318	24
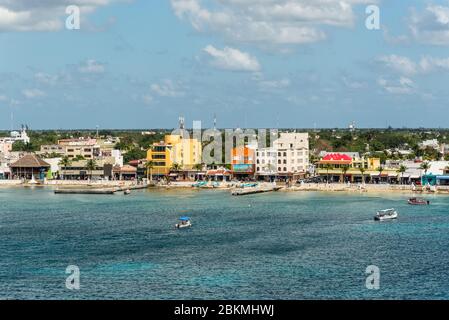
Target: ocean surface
267	246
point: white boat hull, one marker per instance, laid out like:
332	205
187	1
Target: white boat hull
386	217
182	226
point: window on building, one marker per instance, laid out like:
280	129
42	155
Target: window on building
285	169
285	154
285	161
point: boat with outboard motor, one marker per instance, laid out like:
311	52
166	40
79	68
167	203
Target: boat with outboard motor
388	214
184	223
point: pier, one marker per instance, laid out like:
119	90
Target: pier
109	190
254	190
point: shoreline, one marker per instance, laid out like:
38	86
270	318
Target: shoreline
329	188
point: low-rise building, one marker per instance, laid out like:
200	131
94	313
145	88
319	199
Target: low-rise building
350	167
29	167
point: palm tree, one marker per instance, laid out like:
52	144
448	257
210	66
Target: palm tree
198	167
344	170
90	166
402	169
424	166
362	171
64	163
149	165
380	169
176	167
327	167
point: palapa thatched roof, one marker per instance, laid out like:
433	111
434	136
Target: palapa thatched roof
30	161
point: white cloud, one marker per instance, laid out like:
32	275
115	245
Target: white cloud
232	59
166	89
400	64
274	84
402	86
147	99
33	93
430	64
91	66
431	26
353	84
46	78
42	15
277	22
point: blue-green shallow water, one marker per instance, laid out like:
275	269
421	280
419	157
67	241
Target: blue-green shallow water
268	246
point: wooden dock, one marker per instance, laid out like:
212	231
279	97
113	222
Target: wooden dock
84	191
110	190
248	191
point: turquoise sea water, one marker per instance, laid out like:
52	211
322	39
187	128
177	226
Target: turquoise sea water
267	246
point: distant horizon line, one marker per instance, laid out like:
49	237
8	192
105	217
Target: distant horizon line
227	128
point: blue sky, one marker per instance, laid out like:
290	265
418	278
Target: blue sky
253	63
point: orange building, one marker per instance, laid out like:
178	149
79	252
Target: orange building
243	161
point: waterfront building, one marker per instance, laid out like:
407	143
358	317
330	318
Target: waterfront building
28	167
351	167
160	155
77	170
243	162
267	163
177	150
186	152
126	172
292	154
219	174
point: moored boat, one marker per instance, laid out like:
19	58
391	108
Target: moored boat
418	202
388	214
126	192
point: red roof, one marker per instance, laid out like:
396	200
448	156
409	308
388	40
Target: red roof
337	157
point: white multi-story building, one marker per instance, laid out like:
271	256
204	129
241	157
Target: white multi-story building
266	161
289	156
293	153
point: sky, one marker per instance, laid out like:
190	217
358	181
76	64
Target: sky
136	64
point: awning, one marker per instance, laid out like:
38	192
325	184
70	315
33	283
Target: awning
393	175
442	177
173	175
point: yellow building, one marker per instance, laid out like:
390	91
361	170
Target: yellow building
185	152
342	167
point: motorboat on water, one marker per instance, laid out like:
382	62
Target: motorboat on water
418	202
126	192
184	223
388	214
199	184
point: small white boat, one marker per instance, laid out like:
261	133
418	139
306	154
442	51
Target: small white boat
388	214
184	223
126	192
